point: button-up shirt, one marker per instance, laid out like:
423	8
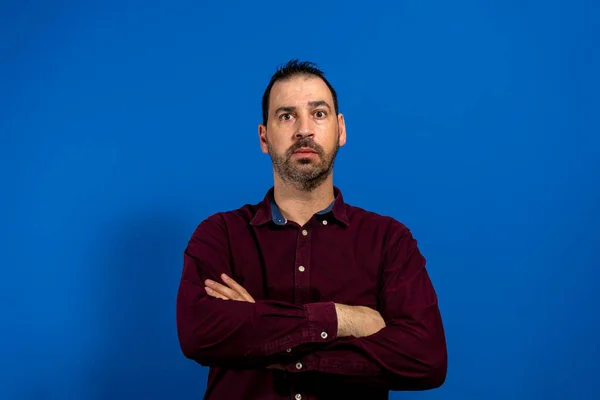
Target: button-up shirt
296	274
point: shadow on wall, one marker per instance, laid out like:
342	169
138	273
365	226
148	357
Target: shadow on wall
137	353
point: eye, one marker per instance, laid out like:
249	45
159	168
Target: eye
285	117
320	114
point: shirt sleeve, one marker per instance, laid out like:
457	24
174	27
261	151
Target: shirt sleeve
410	352
212	331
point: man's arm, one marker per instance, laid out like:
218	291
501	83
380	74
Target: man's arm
409	353
239	334
406	350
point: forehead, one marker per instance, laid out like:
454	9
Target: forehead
298	90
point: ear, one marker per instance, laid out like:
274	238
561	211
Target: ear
342	129
262	137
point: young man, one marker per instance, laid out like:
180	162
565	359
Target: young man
303	296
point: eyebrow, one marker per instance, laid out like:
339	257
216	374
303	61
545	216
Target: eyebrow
312	104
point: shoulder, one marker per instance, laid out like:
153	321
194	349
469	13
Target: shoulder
390	232
228	219
366	218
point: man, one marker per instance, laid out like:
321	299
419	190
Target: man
303	296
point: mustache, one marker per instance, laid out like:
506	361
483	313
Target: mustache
305	142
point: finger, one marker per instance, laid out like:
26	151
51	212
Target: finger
238	288
215	294
223	290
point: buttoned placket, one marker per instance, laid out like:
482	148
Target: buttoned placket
302	268
302	265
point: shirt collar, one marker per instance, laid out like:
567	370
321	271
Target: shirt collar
269	211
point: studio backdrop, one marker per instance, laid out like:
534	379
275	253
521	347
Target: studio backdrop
124	124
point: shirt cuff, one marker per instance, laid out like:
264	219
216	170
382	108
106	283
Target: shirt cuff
322	322
305	364
321	327
340	365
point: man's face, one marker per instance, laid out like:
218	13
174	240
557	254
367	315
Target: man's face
303	133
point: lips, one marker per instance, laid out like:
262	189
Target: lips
305	150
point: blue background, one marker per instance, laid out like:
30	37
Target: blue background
124	124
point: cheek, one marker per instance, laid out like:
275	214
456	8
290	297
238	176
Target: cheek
277	143
329	136
280	133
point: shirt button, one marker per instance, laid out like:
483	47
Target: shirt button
298	396
301	268
324	222
324	335
304	232
299	366
289	350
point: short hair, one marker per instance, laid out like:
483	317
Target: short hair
290	69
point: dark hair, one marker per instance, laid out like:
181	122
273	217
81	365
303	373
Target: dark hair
290	69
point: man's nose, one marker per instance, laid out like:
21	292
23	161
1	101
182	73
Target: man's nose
305	128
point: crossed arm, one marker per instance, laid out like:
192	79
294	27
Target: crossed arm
355	321
401	347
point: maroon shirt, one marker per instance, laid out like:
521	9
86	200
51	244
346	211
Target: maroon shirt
345	255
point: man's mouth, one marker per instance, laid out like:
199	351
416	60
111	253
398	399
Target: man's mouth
304	150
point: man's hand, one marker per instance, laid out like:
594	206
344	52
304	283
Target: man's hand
233	291
358	321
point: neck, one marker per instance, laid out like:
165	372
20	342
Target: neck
299	205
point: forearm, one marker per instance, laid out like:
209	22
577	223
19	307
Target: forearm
241	334
399	357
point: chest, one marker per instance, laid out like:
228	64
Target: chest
312	264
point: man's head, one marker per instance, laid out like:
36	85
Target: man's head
302	129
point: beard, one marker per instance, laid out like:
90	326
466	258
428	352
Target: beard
305	174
